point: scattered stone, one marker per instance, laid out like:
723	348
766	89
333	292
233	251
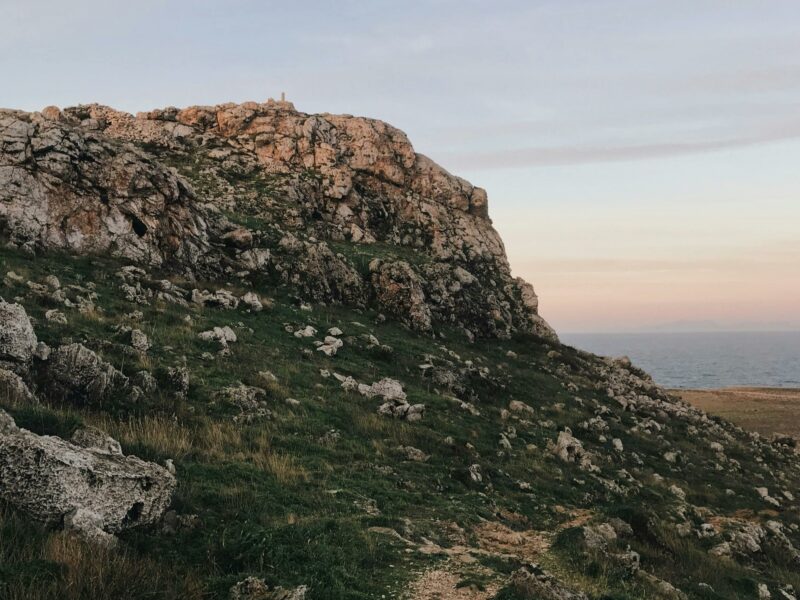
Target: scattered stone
399	291
386	388
475	473
402	410
11	279
764	495
307	331
331	346
139	341
570	449
179	379
253	302
249	400
413	454
17	338
145	382
56	316
254	588
678	492
517	406
222	335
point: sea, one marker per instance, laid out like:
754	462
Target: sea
704	360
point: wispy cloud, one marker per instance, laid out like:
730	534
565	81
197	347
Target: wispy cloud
580	154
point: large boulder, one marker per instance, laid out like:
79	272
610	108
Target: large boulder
76	374
17	338
49	478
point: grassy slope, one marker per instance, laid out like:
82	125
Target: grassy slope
279	502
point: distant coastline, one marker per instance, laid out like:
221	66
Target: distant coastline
704	360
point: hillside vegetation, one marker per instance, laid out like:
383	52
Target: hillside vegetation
357	403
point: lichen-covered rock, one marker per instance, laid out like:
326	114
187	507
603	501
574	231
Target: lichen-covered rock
17	338
14	390
76	374
48	478
399	292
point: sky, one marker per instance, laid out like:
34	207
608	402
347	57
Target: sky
642	157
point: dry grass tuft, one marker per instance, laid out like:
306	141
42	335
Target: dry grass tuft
162	434
212	441
85	572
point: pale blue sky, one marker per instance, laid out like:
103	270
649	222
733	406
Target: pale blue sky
641	156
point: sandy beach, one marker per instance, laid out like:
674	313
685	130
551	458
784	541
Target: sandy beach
765	410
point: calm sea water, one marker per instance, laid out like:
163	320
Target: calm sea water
704	360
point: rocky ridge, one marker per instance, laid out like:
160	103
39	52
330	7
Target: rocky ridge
91	179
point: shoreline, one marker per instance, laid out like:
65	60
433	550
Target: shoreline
766	410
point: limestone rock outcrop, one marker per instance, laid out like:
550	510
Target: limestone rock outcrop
50	478
332	193
71	188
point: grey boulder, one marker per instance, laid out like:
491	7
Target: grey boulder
77	374
49	479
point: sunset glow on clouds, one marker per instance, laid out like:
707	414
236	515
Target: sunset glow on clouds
641	157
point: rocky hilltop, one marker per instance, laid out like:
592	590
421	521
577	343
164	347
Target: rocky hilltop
248	353
324	195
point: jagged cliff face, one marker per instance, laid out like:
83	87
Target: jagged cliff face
339	207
